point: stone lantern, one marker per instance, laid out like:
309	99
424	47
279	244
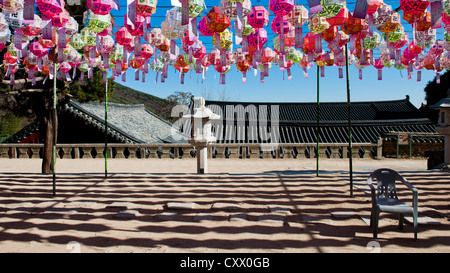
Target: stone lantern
201	134
444	126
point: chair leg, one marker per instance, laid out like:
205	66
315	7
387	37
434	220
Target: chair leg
376	217
400	221
415	227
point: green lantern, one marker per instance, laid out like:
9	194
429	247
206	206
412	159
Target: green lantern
77	42
196	7
446	7
396	35
247	29
294	55
117	53
96	22
88	37
331	8
372	42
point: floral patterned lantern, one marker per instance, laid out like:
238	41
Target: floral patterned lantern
267	55
395	35
294	55
425	38
331	8
146	8
384	15
89	37
101	7
199	51
372	42
107	44
71	27
164	46
61	19
330	33
379	66
259	17
50	7
11	6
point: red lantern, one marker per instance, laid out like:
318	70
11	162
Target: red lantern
37	49
373	6
267	55
309	42
101	7
136	62
216	21
258	17
354	25
330	33
61	19
414	7
138	28
340	18
424	21
203	28
165	45
199	52
10	58
123	36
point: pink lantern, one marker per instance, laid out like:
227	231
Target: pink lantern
10	59
186	39
280	22
257	39
61	19
199	52
50	7
258	17
107	44
65	68
37	49
35	28
281	7
414	7
101	7
123	36
146	51
214	57
379	65
138	28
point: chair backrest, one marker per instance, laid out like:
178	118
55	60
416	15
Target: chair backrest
385	182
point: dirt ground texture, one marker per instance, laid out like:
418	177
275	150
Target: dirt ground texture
161	205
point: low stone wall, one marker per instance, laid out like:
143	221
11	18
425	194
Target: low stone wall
243	151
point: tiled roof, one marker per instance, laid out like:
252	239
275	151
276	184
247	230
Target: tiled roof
297	122
131	121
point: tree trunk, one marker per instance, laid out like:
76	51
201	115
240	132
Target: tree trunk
48	129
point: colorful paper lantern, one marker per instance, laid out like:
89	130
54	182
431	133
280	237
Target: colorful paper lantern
146	51
88	36
395	35
414	6
372	42
12	6
95	22
155	36
331	8
225	38
280	24
267	55
257	39
164	46
50	7
390	25
77	42
298	16
340	18
123	36
383	15
61	19
146	8
330	33
258	17
37	49
294	55
199	51
281	7
136	29
35	28
203	28
354	25
317	24
15	19
309	42
71	27
216	21
230	8
101	7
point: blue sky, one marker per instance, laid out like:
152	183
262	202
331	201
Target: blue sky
394	85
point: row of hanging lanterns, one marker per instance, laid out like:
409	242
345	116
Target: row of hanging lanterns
238	31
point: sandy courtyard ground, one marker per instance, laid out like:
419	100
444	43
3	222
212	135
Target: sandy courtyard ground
160	206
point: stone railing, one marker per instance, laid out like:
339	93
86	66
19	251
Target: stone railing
142	151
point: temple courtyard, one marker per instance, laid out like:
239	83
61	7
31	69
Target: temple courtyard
257	205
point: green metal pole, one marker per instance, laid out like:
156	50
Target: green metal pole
317	129
54	127
106	129
349	124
